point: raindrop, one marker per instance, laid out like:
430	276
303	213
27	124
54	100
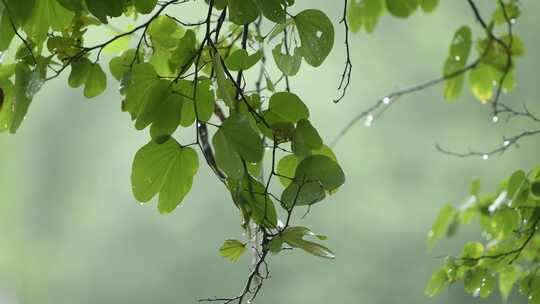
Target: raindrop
457	58
386	100
495	119
369	120
319	34
485	157
506	143
476	293
513	21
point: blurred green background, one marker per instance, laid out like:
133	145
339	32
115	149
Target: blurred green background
71	231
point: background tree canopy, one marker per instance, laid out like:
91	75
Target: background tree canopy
225	87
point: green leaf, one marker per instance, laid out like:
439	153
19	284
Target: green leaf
440	226
105	8
273	10
165	168
479	280
72	5
365	13
482	80
243	138
401	8
316	33
240	60
142	78
80	69
294	236
120	65
223	82
429	6
165	32
145	6
47	14
288	107
226	156
22	96
6	32
243	11
184	55
437	284
205	100
472	250
508	276
6	104
287	64
96	81
306	138
151	101
322	169
455	63
302	194
232	250
287	167
167	117
504	223
261	207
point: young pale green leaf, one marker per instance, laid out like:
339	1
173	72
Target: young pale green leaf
226	156
243	11
294	236
286	169
440	226
243	138
508	276
165	32
316	33
365	13
232	250
479	280
241	60
437	284
472	250
145	6
288	107
455	63
165	168
401	8
288	64
96	81
482	81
